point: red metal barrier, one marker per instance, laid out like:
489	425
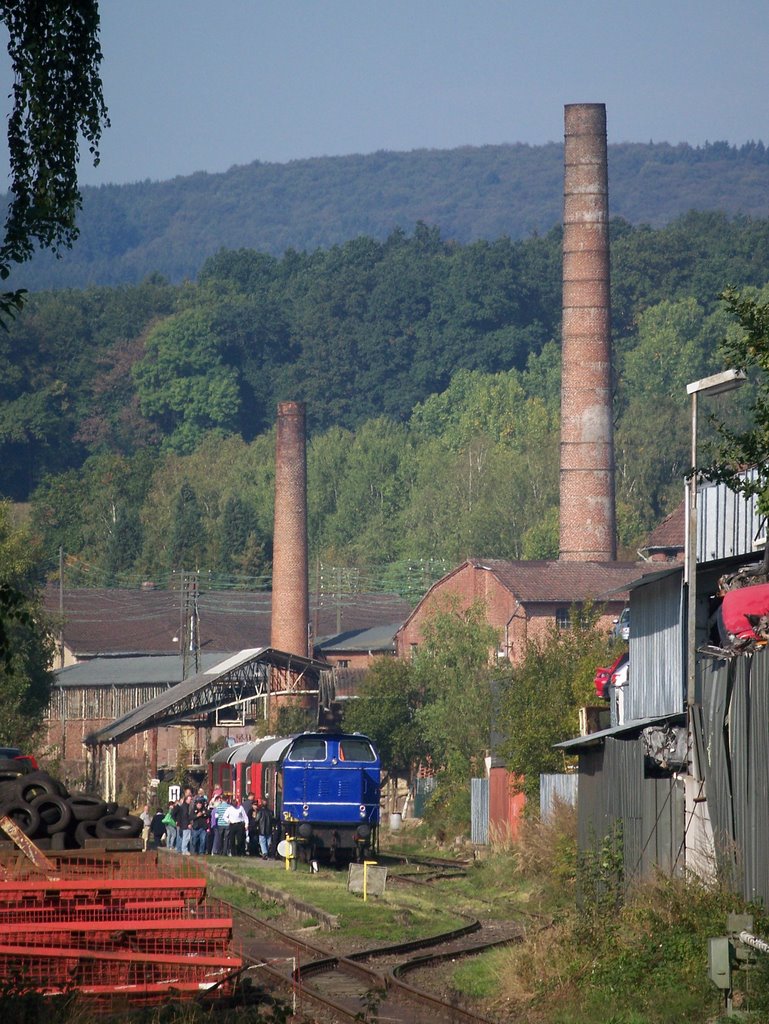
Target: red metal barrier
107	925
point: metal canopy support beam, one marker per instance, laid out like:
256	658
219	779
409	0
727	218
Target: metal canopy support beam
265	673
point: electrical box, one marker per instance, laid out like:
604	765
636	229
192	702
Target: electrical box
720	962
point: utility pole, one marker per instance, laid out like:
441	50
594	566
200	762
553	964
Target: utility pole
189	632
61	607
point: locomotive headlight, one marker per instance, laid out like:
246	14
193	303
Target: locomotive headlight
362	810
305	809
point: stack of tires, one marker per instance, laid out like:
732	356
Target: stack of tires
55	819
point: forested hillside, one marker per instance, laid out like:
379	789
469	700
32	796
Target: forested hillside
138	419
171	227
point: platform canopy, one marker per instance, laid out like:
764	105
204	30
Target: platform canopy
245	676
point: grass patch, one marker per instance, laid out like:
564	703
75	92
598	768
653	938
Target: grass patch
479	976
400	914
246	899
645	963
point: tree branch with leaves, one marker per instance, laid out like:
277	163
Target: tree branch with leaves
737	450
57	100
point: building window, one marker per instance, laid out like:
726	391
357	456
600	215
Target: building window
343	663
414	651
562	620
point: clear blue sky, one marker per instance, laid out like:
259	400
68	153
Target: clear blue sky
205	84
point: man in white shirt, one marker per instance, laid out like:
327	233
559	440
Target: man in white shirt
236	818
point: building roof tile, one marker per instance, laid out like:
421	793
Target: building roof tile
669	534
562	582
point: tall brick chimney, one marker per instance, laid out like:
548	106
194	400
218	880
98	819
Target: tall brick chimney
587	517
290	586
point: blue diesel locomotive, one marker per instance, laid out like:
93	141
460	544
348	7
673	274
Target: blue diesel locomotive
321	788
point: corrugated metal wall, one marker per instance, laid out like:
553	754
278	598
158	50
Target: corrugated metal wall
423	789
556	787
505	804
736	769
728	523
614	789
656	683
479	811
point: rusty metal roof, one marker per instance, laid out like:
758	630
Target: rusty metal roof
237	678
111	621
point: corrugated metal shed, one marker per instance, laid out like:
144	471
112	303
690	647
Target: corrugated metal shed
728	524
554	788
656	679
619	789
736	768
479	811
646	809
505	803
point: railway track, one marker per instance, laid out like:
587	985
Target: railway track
369	982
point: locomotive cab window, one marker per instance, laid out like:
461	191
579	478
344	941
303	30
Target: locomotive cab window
308	748
355	750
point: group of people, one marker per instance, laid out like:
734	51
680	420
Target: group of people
222	826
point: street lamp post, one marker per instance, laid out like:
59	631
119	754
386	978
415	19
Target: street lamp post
729	380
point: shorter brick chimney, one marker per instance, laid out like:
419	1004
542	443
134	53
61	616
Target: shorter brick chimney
290	585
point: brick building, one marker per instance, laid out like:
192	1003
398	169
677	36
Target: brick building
121	649
524	599
667	540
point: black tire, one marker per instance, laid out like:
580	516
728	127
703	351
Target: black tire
115	808
55	813
30	787
59	841
85	830
119	826
8	790
86	807
22	815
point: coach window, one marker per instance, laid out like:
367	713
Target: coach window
308	748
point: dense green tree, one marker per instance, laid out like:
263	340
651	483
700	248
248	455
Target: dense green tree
455	668
421	445
387	710
182	382
187	539
26	642
95	514
488	192
734	449
364	521
540	705
676	343
218	470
